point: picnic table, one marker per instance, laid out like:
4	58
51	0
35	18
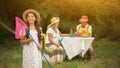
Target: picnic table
76	45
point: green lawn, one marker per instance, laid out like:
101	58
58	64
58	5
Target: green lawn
106	55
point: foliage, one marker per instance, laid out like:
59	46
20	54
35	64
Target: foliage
103	14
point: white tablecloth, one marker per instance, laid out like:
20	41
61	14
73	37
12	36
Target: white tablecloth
76	45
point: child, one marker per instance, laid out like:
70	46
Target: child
31	53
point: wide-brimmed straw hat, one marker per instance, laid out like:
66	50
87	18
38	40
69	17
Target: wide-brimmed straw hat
54	20
31	11
83	19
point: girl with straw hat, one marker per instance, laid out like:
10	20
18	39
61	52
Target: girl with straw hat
31	54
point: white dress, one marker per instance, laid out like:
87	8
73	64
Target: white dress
31	54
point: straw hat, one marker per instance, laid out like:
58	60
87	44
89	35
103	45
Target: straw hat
31	11
54	20
83	19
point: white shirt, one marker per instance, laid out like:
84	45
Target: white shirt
79	28
56	36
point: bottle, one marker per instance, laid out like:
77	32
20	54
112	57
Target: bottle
71	32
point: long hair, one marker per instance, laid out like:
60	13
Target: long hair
37	27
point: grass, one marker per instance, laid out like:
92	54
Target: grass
106	55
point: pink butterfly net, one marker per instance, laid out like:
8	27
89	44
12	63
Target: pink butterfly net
20	29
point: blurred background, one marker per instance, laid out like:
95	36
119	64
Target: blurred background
104	17
103	14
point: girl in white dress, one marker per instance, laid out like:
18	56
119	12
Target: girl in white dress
31	52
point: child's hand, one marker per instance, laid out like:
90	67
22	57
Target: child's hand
30	40
39	47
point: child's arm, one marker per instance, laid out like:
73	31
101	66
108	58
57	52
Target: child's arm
41	41
40	45
23	40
